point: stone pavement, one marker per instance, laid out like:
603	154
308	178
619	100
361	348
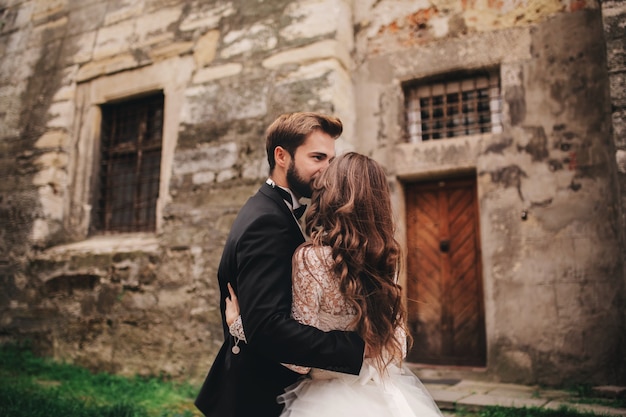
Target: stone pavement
453	394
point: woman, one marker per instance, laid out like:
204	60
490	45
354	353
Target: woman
345	278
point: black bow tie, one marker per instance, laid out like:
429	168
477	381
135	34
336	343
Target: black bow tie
298	212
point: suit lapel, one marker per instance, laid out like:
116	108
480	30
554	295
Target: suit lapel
275	196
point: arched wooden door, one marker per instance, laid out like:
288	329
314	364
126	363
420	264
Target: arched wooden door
444	276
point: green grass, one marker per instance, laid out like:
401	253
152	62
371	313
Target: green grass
524	412
18	401
31	387
583	394
38	387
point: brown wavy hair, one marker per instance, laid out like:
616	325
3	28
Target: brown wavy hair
351	212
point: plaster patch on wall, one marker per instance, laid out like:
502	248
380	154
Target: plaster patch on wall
124	12
214	73
536	144
207	19
488	15
154	27
40	231
509	176
540	188
61	114
195	107
205	158
385	13
115	39
499	145
51	200
258	37
315	18
205	177
566	211
206	48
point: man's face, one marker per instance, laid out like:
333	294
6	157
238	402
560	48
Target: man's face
310	159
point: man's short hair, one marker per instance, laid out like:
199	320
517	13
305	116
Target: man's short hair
290	130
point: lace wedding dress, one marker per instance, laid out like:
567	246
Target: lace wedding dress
396	392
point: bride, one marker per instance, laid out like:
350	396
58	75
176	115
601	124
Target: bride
344	278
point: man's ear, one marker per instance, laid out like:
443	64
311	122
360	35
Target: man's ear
282	157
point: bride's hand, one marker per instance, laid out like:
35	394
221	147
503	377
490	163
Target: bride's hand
232	306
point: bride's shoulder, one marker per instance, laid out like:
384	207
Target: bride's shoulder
314	254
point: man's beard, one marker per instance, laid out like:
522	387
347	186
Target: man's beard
296	183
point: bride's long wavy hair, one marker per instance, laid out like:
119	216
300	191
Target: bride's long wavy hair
351	212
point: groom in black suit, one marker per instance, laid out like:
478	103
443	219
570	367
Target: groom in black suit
246	378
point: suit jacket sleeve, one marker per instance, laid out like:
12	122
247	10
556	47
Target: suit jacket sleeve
264	292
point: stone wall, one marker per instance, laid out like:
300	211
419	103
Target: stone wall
145	303
614	16
552	280
148	303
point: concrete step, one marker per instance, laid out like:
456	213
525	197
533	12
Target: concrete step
455	395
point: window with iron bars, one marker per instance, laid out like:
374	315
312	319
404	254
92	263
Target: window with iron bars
130	165
447	109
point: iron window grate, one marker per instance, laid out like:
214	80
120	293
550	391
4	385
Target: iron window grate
453	108
130	165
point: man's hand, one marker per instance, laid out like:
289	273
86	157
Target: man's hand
232	306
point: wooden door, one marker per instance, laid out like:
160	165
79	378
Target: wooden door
444	278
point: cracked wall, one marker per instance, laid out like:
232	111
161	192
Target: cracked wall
550	234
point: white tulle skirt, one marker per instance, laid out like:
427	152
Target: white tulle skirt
398	393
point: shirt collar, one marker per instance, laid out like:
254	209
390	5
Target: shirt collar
294	204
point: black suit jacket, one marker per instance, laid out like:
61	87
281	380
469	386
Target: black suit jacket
257	262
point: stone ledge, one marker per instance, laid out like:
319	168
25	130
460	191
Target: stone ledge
483	400
472	396
129	242
609	391
597	409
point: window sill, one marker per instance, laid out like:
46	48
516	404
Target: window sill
122	243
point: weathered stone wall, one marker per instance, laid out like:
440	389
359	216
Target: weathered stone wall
614	18
553	284
147	303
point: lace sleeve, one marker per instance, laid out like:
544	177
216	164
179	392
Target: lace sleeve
306	294
236	329
307	288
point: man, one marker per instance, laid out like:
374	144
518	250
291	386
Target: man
246	378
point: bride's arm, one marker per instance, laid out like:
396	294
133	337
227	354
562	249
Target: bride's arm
306	293
235	327
233	316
